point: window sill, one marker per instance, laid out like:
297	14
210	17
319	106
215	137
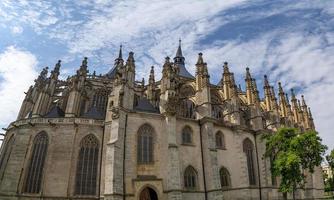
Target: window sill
188	144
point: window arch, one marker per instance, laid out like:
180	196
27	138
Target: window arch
145	144
87	166
220	140
5	154
225	178
187	135
190	178
37	161
248	148
100	100
187	109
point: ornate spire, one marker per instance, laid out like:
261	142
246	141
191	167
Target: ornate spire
282	100
120	52
249	87
304	106
200	59
179	50
267	93
255	92
55	71
119	61
151	78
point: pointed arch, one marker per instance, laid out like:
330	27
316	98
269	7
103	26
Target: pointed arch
248	149
5	154
187	109
37	161
220	140
145	146
190	178
87	166
225	177
187	135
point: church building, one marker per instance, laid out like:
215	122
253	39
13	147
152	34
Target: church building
110	137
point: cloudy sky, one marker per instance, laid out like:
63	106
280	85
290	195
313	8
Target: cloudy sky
291	41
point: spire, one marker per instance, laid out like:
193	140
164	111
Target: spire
131	58
226	80
55	71
120	52
267	93
179	50
304	106
151	78
249	87
255	92
225	68
200	59
282	100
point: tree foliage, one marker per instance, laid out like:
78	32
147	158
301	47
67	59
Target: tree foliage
330	159
293	153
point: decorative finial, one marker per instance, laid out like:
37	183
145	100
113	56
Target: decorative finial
200	59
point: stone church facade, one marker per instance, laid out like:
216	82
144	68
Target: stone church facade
111	137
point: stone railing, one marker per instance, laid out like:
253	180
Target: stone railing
56	121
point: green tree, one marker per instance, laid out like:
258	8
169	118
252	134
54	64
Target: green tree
330	160
293	153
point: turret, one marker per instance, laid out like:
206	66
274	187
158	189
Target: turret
305	114
294	107
76	87
151	87
202	74
226	80
282	101
179	59
255	93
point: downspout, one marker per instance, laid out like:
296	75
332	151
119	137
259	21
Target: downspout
204	178
101	162
124	142
258	167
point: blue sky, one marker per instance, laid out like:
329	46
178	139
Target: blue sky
290	41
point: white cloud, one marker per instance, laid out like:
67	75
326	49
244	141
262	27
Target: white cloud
17	72
17	29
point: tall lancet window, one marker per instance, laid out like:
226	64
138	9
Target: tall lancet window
36	166
187	135
4	157
87	166
145	145
190	178
248	148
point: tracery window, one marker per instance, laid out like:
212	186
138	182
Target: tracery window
187	109
220	140
100	100
225	178
248	148
187	135
190	178
87	166
36	167
145	145
5	154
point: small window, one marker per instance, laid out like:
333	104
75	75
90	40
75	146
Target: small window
190	178
225	179
220	140
187	135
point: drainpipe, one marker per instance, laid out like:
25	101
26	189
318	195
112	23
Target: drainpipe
101	162
124	142
258	167
204	178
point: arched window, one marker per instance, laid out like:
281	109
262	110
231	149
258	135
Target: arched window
249	151
100	100
225	178
220	140
190	178
187	135
187	109
5	155
87	165
36	166
145	145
